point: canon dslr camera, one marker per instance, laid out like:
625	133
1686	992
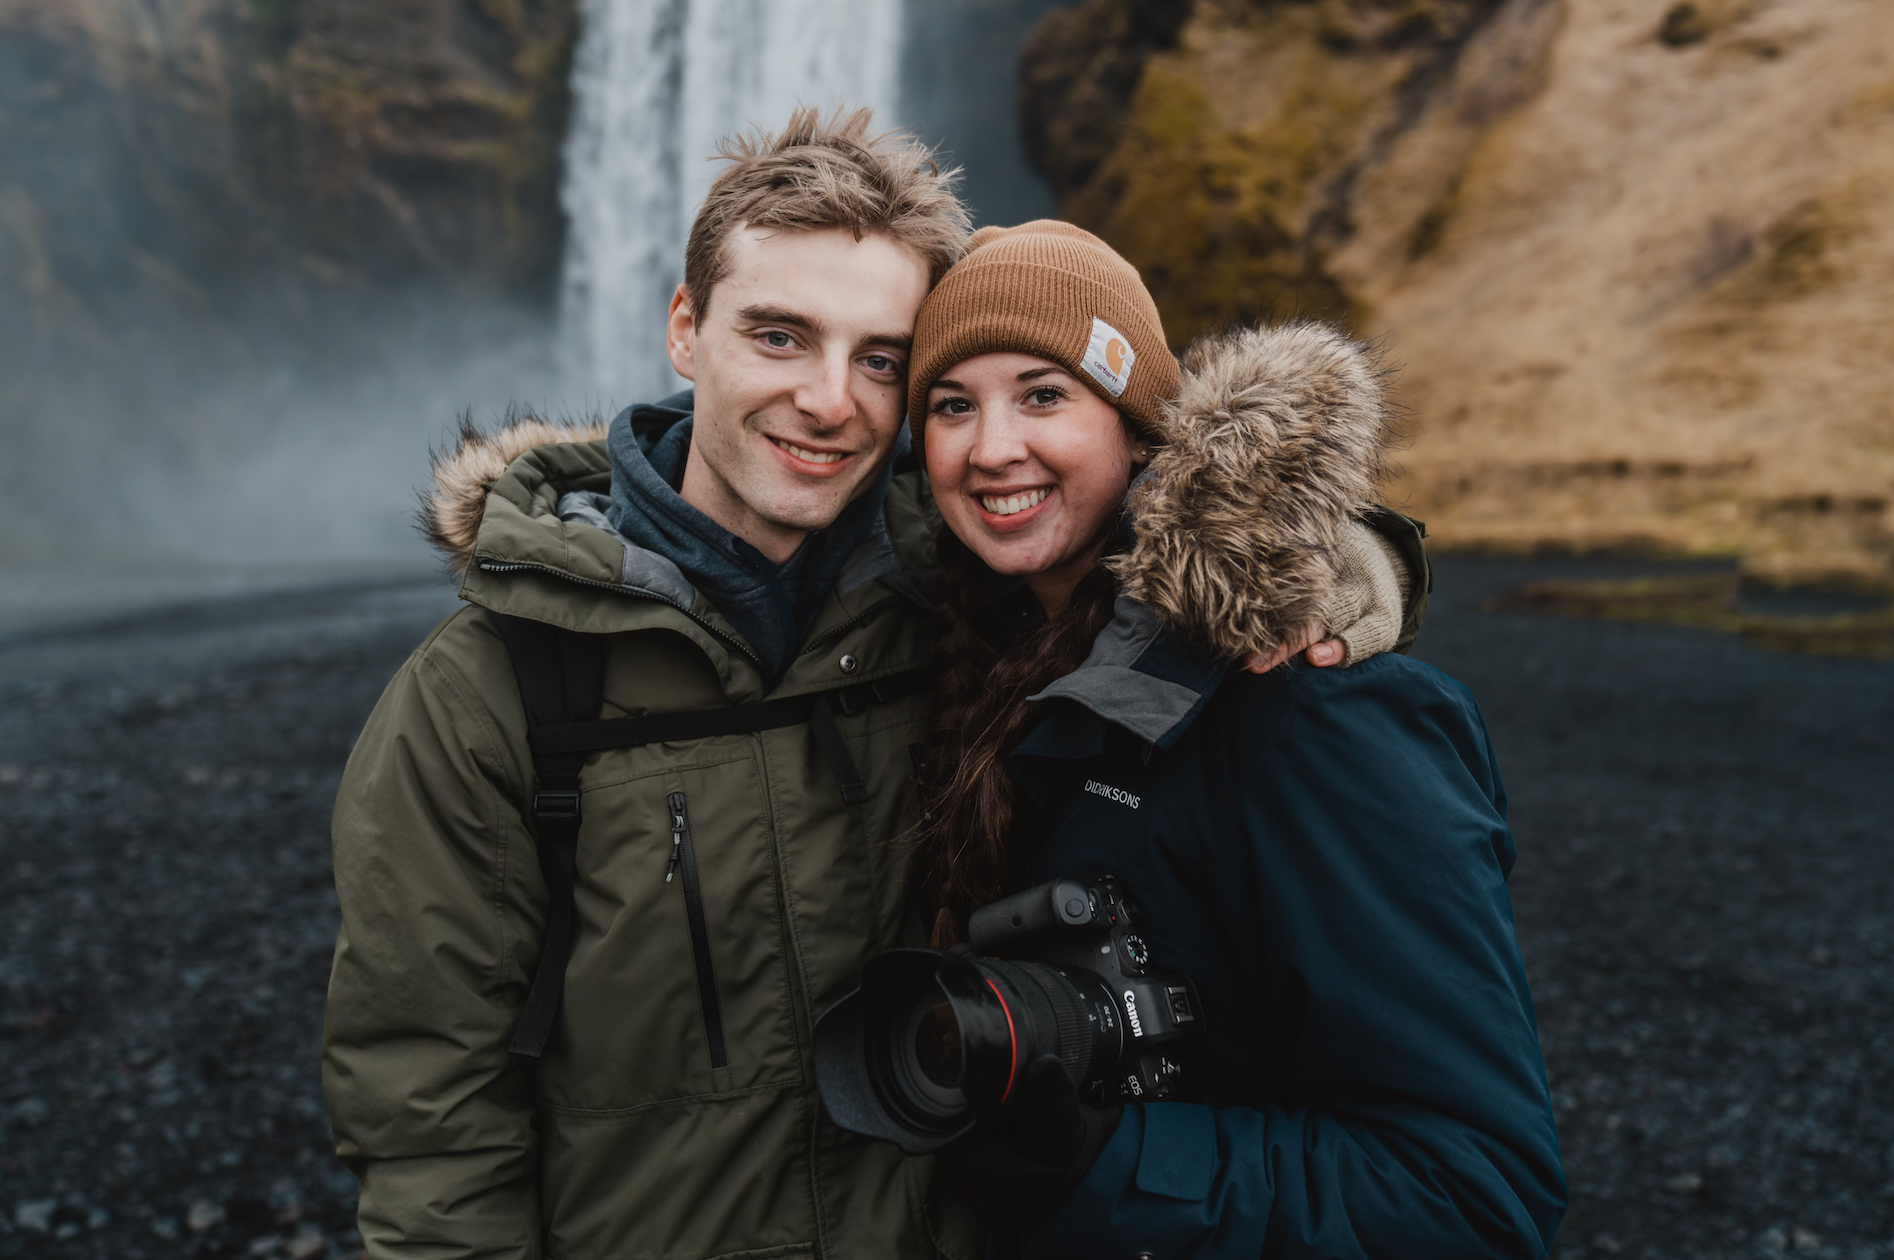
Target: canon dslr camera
934	1042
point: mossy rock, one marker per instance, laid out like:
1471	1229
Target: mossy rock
1222	175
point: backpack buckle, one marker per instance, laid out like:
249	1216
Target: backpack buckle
558	805
848	701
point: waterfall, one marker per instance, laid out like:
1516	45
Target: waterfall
655	84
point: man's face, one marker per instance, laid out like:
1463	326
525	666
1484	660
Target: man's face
800	366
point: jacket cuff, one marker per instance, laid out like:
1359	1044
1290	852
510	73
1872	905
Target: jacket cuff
1149	1185
1369	601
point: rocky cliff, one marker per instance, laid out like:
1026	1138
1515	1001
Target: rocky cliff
1633	258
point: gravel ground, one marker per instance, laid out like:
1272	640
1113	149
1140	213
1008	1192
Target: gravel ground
166	920
1703	897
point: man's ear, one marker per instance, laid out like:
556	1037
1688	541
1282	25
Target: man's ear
680	335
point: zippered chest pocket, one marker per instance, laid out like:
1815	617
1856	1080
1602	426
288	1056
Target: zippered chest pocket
684	859
678	986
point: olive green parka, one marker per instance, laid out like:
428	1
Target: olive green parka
625	1139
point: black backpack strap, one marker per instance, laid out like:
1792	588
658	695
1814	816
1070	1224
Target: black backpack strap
828	737
819	710
561	678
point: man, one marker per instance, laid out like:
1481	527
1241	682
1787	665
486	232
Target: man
753	549
742	553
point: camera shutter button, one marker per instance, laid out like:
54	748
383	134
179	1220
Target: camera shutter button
1075	908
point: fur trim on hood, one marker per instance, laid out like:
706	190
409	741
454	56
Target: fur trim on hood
1278	438
451	511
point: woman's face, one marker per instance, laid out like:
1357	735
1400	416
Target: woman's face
1027	463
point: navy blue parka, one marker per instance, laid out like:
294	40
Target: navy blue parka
1325	852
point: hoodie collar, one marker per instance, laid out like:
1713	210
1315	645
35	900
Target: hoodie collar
771	606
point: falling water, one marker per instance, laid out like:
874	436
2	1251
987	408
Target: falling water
655	84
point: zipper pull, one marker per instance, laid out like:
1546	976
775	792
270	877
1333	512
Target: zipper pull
677	834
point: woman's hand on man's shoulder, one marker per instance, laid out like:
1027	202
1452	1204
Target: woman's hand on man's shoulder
1320	653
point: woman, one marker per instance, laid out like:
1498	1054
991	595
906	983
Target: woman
1324	850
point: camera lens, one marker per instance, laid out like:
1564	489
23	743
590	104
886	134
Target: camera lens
932	1041
937	1045
924	1058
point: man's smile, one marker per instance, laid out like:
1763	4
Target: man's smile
804	454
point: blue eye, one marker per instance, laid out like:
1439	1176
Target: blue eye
879	363
778	340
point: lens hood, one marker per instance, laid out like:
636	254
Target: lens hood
851	1067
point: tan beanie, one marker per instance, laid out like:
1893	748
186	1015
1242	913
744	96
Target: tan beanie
1049	289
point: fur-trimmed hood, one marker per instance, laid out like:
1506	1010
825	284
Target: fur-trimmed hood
453	507
1277	440
532	501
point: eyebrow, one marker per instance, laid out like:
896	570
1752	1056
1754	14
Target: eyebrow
894	341
780	315
1030	374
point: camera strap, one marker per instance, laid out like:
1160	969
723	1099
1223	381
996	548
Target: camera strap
561	676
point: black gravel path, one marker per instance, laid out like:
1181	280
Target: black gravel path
1706	837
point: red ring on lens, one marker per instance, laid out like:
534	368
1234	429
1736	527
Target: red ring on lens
1012	1039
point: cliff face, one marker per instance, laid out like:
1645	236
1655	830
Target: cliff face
172	150
1634	258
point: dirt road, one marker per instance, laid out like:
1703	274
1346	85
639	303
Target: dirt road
1705	899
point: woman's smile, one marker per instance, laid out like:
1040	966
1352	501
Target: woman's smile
1009	510
1008	504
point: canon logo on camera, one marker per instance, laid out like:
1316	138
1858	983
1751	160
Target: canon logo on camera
1131	1010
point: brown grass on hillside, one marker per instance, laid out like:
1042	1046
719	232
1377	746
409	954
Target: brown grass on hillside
1635	257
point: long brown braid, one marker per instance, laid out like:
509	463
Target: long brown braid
967	795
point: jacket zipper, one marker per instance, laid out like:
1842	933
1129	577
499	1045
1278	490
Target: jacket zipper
684	858
835	632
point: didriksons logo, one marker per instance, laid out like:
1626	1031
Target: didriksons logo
1109	357
1111	793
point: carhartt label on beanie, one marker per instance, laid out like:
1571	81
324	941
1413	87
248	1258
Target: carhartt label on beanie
1056	292
1109	357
